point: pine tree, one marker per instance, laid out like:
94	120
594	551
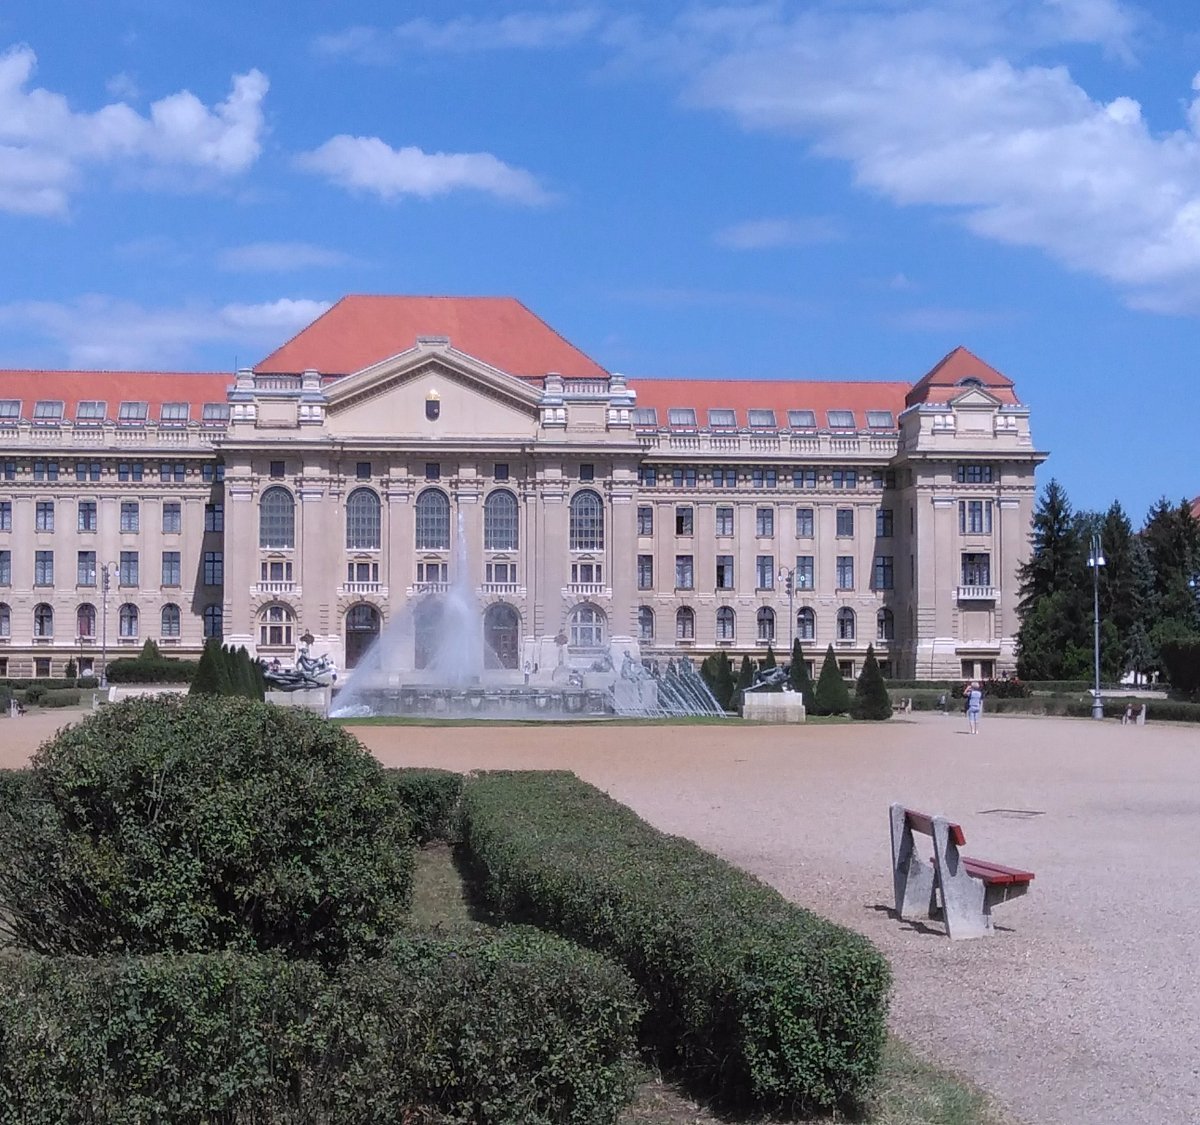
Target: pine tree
871	700
831	696
745	679
726	681
150	652
769	660
212	677
801	681
1172	539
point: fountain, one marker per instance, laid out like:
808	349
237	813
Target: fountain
461	677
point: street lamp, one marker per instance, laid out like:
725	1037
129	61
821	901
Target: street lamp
788	577
1096	561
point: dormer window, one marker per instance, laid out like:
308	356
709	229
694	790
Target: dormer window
762	419
132	413
681	418
48	412
215	413
173	414
90	413
722	420
840	419
645	416
802	419
970	381
881	420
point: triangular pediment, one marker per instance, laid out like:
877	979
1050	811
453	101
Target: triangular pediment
975	398
393	397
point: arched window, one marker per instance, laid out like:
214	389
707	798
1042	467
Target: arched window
685	624
766	623
645	623
362	520
586	627
806	624
85	620
5	621
433	521
275	626
43	620
214	621
885	625
726	623
170	620
277	519
127	620
587	521
500	521
845	624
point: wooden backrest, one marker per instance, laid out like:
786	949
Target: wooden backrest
923	822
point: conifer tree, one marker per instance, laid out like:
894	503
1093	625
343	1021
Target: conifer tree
798	675
212	676
769	660
745	679
726	681
871	700
831	696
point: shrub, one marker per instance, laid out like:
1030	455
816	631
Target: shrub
134	670
831	696
34	694
192	824
66	698
212	673
431	799
871	699
516	1027
69	669
753	997
1181	663
15	787
798	676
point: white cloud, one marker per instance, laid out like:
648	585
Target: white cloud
934	105
122	86
370	164
772	234
45	145
279	257
105	332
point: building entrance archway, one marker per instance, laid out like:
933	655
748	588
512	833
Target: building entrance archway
362	630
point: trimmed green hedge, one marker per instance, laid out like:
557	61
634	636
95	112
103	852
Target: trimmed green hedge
65	698
51	684
135	670
519	1028
431	799
754	998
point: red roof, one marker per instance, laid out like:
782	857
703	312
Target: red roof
946	379
360	331
742	396
113	388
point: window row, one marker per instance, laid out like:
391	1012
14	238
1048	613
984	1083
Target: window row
845	624
767	575
764	521
175	472
88	572
724	419
762	476
94	412
87	516
128	621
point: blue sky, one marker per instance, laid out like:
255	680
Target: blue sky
847	188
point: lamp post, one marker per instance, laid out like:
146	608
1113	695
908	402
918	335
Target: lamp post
787	575
1096	561
104	584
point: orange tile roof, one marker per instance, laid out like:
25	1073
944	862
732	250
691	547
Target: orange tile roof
113	387
781	396
359	331
944	382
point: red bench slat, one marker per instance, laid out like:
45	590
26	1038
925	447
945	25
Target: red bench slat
995	872
923	822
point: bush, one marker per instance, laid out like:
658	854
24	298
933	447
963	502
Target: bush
871	700
753	997
431	799
831	696
134	670
514	1028
65	698
15	787
34	694
70	669
192	824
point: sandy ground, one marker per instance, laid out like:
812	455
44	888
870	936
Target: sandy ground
1085	1006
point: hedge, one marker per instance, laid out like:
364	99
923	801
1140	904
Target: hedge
85	682
135	670
431	799
1076	706
65	698
758	1000
521	1028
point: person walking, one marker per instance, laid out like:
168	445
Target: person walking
974	699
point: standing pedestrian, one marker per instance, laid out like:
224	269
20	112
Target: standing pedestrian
974	698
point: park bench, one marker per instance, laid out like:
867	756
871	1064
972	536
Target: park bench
968	888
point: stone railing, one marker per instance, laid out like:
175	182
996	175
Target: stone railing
978	593
864	446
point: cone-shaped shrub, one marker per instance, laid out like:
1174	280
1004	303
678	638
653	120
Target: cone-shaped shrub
871	699
831	696
769	660
212	675
798	675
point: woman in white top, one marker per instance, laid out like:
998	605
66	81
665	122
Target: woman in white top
974	705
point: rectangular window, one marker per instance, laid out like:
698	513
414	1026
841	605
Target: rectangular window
214	517
724	522
85	568
500	471
763	477
764	523
724	477
880	420
883	577
764	571
647	476
214	568
5	515
587	573
275	570
210	472
172	568
805	523
974	473
645	572
840	419
805	572
10	410
433	470
722	420
172	517
45	470
87	470
47	412
130	470
845	521
175	471
43	517
802	419
90	413
130	516
645	520
5	572
844	478
10	470
976	569
685	576
131	413
645	416
87	515
724	572
883	478
683	520
129	569
587	472
496	573
883	523
215	413
975	517
804	478
43	568
278	470
173	414
431	573
684	476
681	418
845	572
761	419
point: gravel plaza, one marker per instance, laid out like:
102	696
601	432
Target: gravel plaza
1085	1005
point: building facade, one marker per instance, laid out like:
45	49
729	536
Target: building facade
338	488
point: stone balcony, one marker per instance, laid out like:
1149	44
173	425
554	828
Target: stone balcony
291	588
978	593
866	447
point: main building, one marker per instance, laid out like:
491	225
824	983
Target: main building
336	486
